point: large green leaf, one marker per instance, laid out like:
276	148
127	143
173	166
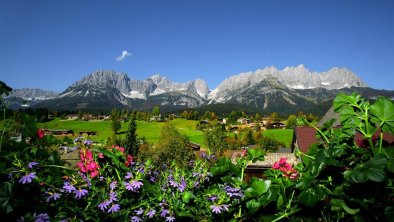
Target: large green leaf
309	197
257	188
382	112
252	205
373	169
5	197
339	205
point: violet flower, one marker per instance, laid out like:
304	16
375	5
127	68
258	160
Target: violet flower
43	217
170	219
216	209
112	197
136	219
113	185
129	175
151	213
164	212
80	193
27	178
139	211
114	208
53	196
68	187
104	205
32	164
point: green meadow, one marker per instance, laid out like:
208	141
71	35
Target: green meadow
283	135
150	130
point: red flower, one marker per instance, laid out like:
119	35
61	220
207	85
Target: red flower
129	160
286	168
81	166
40	134
94	173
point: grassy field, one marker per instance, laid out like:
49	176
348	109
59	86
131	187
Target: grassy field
151	131
283	135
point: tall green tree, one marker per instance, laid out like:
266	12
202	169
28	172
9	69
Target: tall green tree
131	144
115	121
215	138
291	122
172	146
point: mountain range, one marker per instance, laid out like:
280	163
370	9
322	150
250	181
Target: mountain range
289	90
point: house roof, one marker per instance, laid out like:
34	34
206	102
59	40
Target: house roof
330	114
304	136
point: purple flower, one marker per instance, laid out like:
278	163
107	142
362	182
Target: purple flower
32	164
135	219
136	184
129	175
78	139
28	178
203	154
225	207
213	198
53	196
170	219
68	187
182	185
112	197
196	174
43	217
216	209
87	142
233	192
128	186
104	205
151	213
139	211
101	178
80	193
113	185
164	212
196	184
114	208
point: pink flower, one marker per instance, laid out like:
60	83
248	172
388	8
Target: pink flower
244	151
129	160
286	168
81	166
94	173
101	155
91	166
40	134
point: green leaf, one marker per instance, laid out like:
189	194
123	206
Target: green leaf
279	201
309	197
373	169
187	196
253	205
255	154
339	205
5	197
257	188
382	112
389	213
305	182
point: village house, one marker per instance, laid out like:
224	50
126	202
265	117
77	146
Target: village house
244	121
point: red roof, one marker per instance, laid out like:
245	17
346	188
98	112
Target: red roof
305	136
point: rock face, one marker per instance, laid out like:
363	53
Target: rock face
112	89
33	94
290	77
267	90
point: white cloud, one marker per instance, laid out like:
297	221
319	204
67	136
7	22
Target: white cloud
123	56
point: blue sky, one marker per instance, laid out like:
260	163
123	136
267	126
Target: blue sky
51	44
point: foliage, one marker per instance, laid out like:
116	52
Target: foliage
115	121
338	179
172	146
291	122
215	139
130	143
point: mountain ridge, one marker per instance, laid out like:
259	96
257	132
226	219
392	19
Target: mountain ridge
264	89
